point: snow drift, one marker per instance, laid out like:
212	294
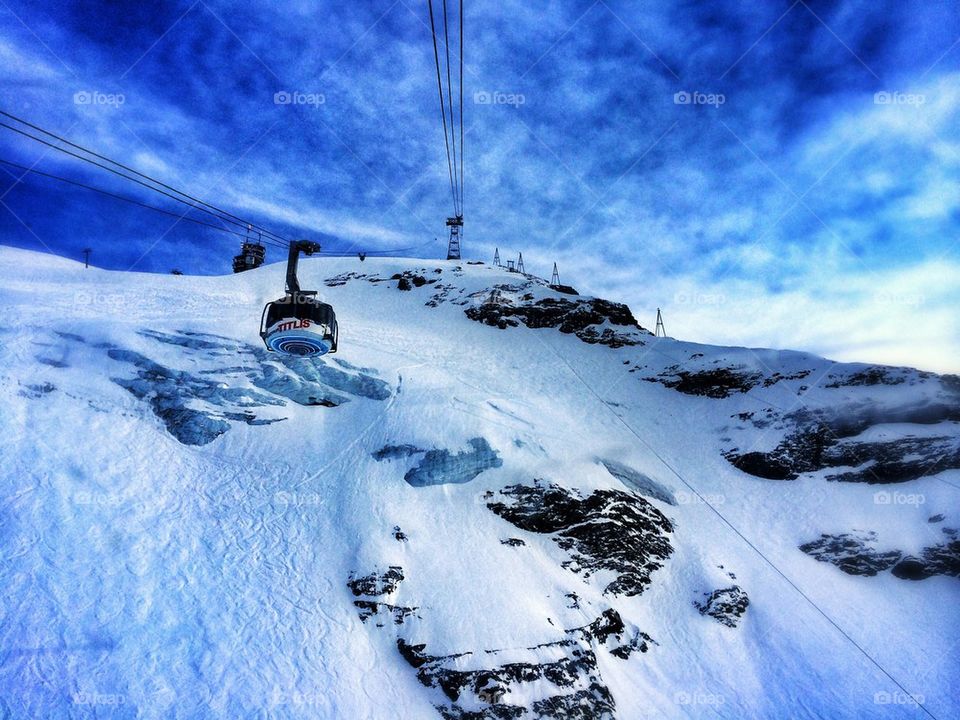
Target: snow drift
498	500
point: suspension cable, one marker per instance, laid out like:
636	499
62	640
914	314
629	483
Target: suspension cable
130	200
443	114
264	236
254	226
453	127
749	543
263	240
461	107
128	177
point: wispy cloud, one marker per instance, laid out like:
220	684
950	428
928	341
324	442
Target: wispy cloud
797	159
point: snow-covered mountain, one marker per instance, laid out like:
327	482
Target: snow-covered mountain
498	500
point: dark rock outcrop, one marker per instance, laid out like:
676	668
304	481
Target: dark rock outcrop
394	452
934	560
713	383
376	584
372	588
610	530
873	376
571	682
854	553
581	317
823	439
726	605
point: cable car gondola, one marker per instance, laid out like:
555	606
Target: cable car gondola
298	324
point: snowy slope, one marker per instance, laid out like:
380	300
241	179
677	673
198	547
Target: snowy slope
497	500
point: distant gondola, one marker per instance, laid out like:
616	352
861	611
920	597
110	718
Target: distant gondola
298	324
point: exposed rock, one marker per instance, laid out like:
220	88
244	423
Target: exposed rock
610	530
777	377
817	440
609	630
714	383
439	467
934	560
852	552
572	683
513	542
408	279
394	452
37	390
367	609
872	376
726	605
580	317
377	583
893	462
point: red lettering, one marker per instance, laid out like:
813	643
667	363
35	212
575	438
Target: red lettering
293	325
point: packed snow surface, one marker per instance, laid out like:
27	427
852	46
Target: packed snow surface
498	500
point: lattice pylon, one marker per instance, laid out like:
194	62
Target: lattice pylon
659	331
453	247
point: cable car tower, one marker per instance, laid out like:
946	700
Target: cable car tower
659	331
298	324
453	247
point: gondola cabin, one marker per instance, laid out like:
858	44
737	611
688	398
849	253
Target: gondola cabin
298	324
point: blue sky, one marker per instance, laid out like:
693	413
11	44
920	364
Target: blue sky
808	197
